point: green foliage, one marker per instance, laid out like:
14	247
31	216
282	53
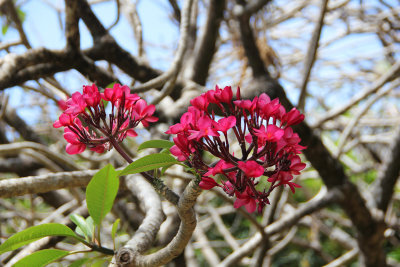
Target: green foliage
101	193
41	258
36	232
156	144
79	263
262	183
149	162
4	29
85	227
395	254
21	14
114	230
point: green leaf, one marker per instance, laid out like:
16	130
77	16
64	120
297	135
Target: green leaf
21	15
262	183
395	254
35	232
149	162
79	263
101	193
41	258
111	85
164	169
82	225
4	29
114	228
156	144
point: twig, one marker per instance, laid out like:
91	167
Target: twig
44	183
177	62
391	74
311	55
356	118
345	258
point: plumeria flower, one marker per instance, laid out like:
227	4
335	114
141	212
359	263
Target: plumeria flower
102	130
260	126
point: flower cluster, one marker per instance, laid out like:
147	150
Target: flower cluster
267	145
88	124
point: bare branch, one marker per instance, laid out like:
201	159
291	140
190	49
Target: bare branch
311	55
391	74
44	183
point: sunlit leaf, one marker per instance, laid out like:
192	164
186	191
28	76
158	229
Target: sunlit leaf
33	233
101	193
149	162
156	144
114	228
82	225
41	258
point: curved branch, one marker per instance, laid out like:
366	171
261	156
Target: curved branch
177	62
151	204
313	205
44	183
130	256
15	148
389	174
391	74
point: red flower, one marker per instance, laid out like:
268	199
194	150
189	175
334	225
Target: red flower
200	102
245	199
203	129
91	95
219	167
293	117
143	112
260	126
273	133
207	183
127	111
64	120
251	168
74	146
76	104
225	124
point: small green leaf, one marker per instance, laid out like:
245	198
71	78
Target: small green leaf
21	14
165	151
90	224
101	193
41	258
82	225
114	228
98	262
111	85
164	169
156	144
79	263
35	232
395	254
4	29
262	183
149	162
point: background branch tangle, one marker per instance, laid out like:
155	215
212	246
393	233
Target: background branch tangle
337	60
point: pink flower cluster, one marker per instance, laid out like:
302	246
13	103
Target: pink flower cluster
87	124
267	145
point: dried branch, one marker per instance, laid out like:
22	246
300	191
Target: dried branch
311	55
15	148
391	74
176	64
44	183
206	45
384	185
130	256
150	202
287	221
